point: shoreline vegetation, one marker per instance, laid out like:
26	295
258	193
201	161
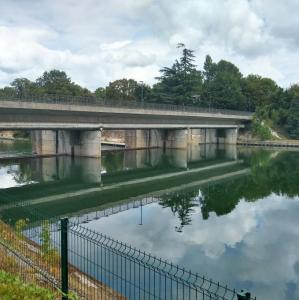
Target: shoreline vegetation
23	260
216	85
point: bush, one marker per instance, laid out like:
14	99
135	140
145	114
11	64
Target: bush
260	129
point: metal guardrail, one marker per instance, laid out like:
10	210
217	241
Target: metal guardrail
94	101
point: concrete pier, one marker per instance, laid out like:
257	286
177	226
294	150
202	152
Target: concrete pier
44	142
231	136
87	143
68	142
176	139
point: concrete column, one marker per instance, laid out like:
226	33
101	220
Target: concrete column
64	142
195	136
88	143
177	139
144	138
211	136
231	136
156	139
44	142
137	138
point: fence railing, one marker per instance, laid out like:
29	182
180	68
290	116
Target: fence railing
94	101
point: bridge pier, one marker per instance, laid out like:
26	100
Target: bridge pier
231	136
176	139
144	138
68	142
44	142
87	143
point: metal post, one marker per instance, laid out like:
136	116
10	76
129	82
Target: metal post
64	258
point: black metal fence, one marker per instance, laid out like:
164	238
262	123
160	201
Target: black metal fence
83	264
94	101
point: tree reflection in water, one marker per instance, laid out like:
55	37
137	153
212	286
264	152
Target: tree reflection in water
182	204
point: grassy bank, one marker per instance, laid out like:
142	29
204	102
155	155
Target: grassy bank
38	266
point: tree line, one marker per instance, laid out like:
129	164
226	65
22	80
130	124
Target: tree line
217	85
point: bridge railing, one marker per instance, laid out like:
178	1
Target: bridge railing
101	102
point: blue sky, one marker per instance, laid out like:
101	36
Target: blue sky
98	41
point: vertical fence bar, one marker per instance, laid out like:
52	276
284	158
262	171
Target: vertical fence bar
64	258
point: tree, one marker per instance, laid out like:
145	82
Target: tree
122	89
24	87
180	84
292	120
100	93
57	82
222	85
258	91
7	92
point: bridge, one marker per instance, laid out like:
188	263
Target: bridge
73	125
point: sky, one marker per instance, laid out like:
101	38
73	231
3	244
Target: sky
97	41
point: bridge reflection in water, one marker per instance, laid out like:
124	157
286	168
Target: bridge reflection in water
89	188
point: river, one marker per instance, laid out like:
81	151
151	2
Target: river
228	213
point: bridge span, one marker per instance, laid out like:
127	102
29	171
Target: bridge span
73	126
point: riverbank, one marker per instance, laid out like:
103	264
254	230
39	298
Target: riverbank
270	143
14	139
40	265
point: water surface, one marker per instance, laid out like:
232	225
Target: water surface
230	214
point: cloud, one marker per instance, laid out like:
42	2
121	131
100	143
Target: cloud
97	42
256	244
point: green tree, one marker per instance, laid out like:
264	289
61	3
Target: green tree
258	91
122	89
292	120
7	92
57	82
100	93
180	84
24	87
222	85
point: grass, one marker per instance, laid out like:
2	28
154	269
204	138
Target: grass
13	288
34	265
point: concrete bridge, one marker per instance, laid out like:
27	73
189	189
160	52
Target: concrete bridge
73	126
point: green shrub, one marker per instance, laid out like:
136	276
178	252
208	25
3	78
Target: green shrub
260	129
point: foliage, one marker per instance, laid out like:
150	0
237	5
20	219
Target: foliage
260	129
13	288
180	84
222	85
259	91
49	253
20	226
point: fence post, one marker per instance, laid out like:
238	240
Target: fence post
64	258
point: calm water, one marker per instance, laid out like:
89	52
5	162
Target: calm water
230	214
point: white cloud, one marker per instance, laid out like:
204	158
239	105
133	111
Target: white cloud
261	236
97	41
